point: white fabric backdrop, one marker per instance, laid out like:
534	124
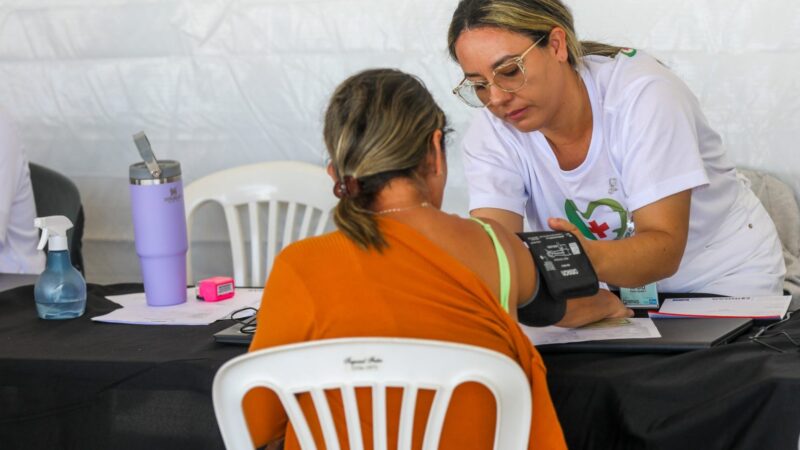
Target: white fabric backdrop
219	83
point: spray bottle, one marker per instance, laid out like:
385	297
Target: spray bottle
60	291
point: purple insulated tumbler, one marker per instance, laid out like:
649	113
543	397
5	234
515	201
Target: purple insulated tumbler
159	230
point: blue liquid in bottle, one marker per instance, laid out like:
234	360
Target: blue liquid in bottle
60	291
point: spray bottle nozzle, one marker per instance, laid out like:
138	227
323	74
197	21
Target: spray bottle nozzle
54	232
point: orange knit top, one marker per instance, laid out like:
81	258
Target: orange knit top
327	287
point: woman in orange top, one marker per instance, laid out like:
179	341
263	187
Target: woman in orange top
398	266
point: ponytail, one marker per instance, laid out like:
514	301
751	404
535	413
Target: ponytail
358	224
599	48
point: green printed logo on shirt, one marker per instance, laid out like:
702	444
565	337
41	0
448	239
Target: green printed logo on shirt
630	52
594	228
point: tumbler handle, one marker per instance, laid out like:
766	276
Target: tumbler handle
146	151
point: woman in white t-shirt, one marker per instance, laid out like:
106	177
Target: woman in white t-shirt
583	137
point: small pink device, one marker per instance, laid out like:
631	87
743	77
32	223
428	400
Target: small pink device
215	289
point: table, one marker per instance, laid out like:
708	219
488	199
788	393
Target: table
78	384
737	396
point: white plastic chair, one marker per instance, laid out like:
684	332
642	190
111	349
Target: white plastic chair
281	186
376	363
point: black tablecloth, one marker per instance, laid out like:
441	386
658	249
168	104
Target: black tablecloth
78	384
737	396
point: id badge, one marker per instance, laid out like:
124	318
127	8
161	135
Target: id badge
640	297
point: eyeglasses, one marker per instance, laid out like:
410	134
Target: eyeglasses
509	77
246	317
768	332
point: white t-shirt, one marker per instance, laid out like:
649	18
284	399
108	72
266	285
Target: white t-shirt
649	140
18	236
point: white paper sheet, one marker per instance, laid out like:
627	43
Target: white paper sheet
633	328
773	307
194	312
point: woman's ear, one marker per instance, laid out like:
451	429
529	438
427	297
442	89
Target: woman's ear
437	145
332	173
557	44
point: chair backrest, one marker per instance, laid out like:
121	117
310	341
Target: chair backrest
779	201
376	363
289	192
55	194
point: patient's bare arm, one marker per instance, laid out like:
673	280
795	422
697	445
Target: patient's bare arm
585	310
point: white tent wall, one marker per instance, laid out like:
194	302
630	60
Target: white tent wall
220	83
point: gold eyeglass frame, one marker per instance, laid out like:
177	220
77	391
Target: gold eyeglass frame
518	60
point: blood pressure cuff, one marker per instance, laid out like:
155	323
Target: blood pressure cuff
542	309
564	272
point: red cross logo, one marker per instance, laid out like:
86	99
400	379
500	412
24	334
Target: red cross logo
599	230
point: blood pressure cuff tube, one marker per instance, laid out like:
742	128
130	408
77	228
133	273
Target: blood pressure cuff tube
564	272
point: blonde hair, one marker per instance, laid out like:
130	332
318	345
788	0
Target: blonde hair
378	126
533	18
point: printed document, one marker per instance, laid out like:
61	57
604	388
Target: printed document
603	330
773	307
194	312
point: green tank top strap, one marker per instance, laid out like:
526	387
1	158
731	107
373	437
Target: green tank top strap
502	263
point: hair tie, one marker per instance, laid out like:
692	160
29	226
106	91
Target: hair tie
346	187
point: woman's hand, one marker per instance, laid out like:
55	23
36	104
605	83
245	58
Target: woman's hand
564	225
616	308
585	310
